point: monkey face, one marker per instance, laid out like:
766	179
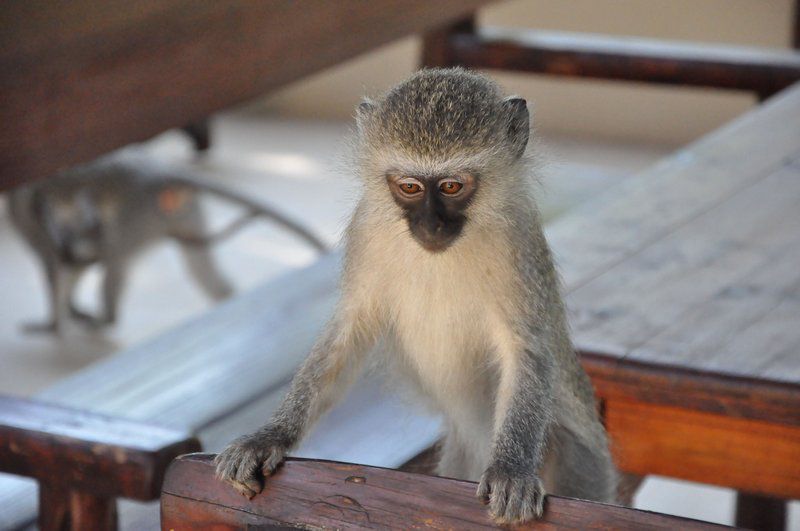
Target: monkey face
434	206
73	228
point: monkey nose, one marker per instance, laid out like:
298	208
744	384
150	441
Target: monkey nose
434	227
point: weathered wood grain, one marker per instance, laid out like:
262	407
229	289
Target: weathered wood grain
344	496
80	79
625	218
693	264
684	299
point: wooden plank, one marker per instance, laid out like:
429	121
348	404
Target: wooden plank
344	496
85	451
617	223
748	455
78	80
763	71
704	283
239	350
731	396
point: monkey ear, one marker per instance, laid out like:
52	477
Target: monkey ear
519	126
364	111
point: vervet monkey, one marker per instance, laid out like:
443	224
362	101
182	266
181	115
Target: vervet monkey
106	212
446	266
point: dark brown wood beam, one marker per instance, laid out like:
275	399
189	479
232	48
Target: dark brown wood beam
762	71
323	494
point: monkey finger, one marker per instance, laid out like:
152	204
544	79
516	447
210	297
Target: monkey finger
498	499
483	492
273	461
226	470
517	505
244	490
248	474
253	485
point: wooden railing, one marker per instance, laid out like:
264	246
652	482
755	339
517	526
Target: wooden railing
324	494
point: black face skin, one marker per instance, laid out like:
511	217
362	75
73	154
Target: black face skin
434	206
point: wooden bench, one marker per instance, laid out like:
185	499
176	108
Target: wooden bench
316	494
84	461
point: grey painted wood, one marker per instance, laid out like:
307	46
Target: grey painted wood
695	264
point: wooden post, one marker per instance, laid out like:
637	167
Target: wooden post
436	47
87	511
200	133
53	508
760	512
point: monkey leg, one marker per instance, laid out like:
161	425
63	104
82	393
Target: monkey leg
203	268
60	285
578	469
113	282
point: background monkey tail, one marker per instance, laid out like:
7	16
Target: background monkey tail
254	209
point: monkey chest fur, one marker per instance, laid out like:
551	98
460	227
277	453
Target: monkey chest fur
447	333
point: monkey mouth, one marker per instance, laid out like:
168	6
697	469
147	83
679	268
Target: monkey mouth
434	243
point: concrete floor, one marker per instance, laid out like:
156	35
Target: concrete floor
300	167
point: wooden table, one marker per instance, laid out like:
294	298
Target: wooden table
684	291
82	78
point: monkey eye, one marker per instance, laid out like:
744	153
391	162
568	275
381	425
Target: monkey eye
409	187
450	187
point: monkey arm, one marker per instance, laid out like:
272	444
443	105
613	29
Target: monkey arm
327	373
511	484
332	365
524	410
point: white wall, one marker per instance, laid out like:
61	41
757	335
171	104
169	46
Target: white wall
609	109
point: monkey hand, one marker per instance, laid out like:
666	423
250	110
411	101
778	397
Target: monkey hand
248	460
512	496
